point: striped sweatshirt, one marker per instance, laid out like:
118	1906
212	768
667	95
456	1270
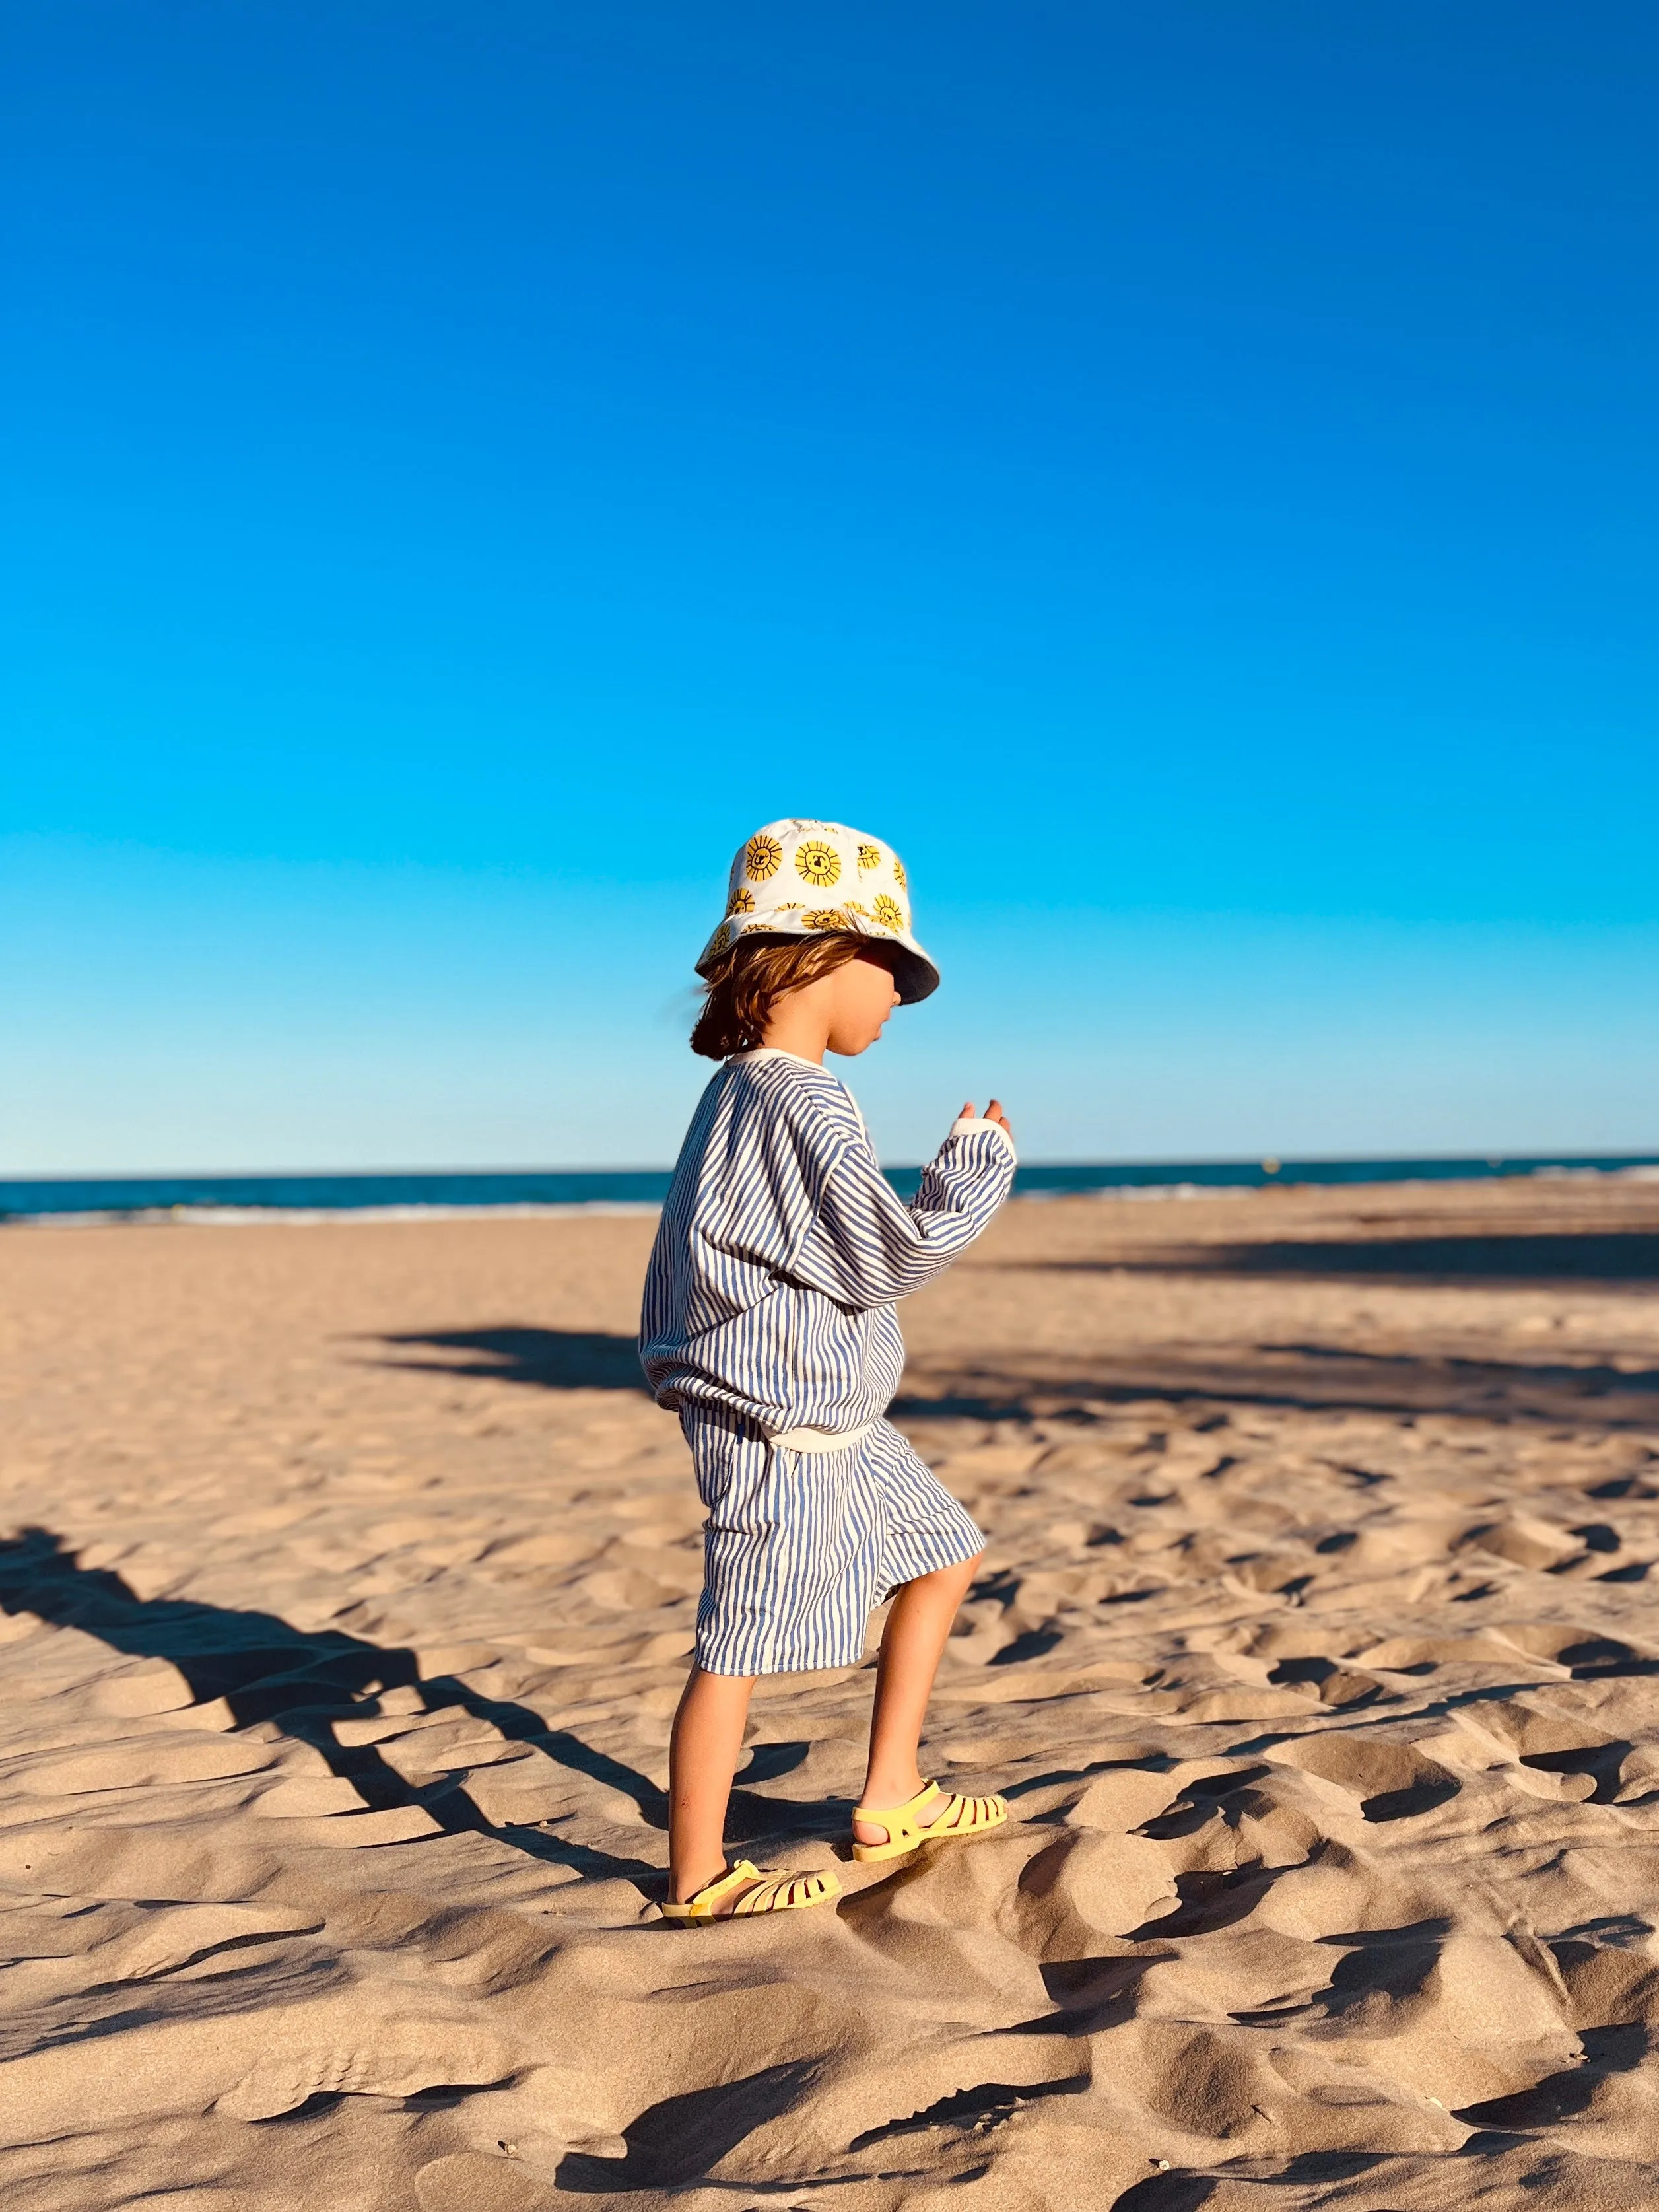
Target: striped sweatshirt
782	1250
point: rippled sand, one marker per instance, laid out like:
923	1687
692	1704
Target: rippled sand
349	1591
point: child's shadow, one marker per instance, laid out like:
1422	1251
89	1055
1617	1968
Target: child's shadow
265	1669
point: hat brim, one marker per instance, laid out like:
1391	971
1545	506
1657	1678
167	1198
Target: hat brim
913	971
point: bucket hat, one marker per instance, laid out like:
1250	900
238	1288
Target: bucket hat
817	878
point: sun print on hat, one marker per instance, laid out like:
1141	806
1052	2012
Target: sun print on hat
818	864
761	857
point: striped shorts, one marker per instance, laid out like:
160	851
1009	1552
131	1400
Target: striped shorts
799	1547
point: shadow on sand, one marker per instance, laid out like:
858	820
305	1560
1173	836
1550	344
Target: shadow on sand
1336	1378
1615	1255
265	1669
551	1359
1312	1376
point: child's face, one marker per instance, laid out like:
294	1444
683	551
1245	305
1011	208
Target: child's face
859	996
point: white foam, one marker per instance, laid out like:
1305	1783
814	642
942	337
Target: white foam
1141	1190
1154	1190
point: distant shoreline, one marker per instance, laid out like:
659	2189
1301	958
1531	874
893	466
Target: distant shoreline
211	1199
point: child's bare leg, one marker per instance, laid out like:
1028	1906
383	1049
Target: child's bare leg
918	1623
702	1757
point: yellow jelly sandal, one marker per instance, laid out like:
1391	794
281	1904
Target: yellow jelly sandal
754	1889
962	1819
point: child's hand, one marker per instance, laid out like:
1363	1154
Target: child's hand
992	1112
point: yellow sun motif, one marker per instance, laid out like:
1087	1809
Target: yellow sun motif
818	864
719	941
889	913
869	856
853	907
743	902
899	876
763	856
788	906
825	917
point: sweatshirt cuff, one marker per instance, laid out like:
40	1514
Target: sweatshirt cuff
968	1125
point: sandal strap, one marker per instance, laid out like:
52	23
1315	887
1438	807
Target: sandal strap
963	1814
887	1813
740	1870
764	1889
713	1892
783	1892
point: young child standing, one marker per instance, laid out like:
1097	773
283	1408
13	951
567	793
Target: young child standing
768	1327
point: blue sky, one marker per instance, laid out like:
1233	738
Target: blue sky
1185	475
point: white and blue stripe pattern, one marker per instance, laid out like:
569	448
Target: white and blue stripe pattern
769	1307
800	1547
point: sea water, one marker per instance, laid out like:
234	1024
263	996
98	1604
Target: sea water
210	1199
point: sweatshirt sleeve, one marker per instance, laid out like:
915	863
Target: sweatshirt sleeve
867	1248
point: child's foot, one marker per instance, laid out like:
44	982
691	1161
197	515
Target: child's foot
869	1826
744	1889
930	1816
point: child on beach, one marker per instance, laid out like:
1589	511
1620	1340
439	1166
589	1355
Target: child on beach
768	1327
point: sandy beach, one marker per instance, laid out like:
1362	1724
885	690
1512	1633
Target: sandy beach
348	1586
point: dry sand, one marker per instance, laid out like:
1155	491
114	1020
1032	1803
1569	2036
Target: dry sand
350	1583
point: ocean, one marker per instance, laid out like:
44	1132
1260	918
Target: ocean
210	1198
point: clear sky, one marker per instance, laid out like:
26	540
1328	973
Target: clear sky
1184	473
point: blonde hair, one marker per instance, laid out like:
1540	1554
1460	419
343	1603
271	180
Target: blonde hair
745	983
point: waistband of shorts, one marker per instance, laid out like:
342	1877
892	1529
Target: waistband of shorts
807	1439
